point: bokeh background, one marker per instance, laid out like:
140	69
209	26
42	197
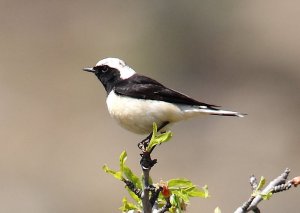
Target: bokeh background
56	134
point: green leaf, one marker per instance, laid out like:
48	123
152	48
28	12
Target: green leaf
185	189
261	183
123	158
132	177
266	196
125	170
179	183
127	206
133	196
158	139
182	195
196	192
164	137
117	175
217	210
175	202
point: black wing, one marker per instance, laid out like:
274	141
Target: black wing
139	86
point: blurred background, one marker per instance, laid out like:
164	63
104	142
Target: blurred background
56	134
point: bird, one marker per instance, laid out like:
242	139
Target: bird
137	101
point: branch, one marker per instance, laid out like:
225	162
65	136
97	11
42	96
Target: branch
147	146
149	197
279	184
146	163
133	188
154	194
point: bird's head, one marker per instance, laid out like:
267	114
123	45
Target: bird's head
110	71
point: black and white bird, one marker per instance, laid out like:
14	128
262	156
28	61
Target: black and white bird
136	101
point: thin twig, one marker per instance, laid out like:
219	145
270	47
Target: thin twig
133	188
279	184
154	195
281	179
166	207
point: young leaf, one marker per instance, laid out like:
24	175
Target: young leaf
132	177
164	137
176	204
133	195
179	183
123	158
127	206
261	184
125	170
196	192
173	200
158	139
117	175
266	196
182	195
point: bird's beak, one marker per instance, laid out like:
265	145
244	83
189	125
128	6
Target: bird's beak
88	69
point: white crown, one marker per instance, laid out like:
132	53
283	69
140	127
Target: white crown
125	71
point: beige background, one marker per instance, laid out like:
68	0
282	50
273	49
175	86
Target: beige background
55	132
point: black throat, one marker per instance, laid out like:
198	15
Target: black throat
108	78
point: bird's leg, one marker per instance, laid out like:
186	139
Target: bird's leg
144	143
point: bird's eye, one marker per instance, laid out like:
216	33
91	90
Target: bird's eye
104	68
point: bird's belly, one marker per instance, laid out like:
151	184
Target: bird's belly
138	115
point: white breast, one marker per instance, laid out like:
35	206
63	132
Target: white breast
138	115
